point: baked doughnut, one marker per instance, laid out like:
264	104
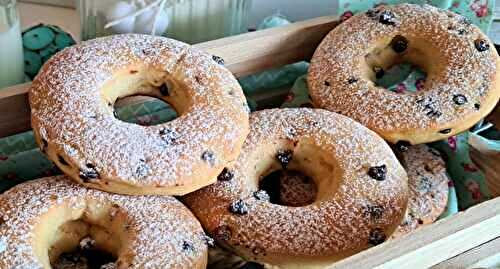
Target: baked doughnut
428	183
289	187
41	219
461	65
361	198
72	102
296	189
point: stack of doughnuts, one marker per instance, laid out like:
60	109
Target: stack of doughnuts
106	159
284	188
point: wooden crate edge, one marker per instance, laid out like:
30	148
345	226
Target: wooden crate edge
434	243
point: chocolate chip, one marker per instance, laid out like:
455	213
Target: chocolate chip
424	184
225	175
477	106
377	237
445	131
62	160
465	20
420	221
142	169
373	211
186	246
461	31
433	113
399	44
327	83
209	241
168	136
164	89
481	45
133	71
261	195
90	166
284	157
218	59
387	17
379	71
208	157
222	233
378	172
2	220
88	174
403	146
238	207
352	80
459	99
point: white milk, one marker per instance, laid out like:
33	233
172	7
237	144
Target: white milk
11	56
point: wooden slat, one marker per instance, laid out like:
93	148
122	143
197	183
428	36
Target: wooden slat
253	52
244	54
486	255
59	3
435	243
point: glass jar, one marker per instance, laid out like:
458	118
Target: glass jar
11	45
191	21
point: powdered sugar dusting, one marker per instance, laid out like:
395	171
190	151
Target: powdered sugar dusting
77	123
455	65
161	224
428	184
336	223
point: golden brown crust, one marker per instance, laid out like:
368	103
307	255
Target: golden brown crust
428	183
351	206
72	115
142	231
461	85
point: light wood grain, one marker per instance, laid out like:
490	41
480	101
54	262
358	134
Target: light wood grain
244	54
435	243
252	52
486	255
66	18
59	3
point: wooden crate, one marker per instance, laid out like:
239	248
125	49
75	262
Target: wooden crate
463	239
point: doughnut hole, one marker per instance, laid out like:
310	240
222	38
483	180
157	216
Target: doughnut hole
393	51
63	227
140	83
309	161
146	120
289	188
